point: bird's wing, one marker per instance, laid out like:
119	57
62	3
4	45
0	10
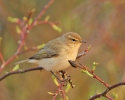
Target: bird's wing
44	54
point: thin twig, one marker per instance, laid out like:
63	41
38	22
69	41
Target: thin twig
1	57
83	53
106	91
41	13
29	49
48	22
75	64
109	88
20	71
59	90
24	33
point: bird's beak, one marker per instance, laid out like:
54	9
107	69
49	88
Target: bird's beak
82	41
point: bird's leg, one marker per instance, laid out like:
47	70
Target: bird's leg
66	77
57	77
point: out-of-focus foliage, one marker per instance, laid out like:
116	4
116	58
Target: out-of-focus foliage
101	23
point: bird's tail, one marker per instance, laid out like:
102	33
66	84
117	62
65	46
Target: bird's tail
19	62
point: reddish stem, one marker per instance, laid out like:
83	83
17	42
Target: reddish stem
94	75
109	97
1	57
24	34
60	90
41	13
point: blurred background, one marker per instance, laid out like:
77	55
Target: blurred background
101	23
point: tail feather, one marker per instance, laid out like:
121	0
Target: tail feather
22	61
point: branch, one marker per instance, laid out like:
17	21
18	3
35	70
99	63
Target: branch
20	72
48	22
24	32
41	13
84	52
29	49
75	64
30	69
1	57
106	91
58	91
98	95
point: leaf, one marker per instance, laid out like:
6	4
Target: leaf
94	65
115	96
50	93
86	72
16	67
55	81
18	30
47	18
40	46
33	10
89	47
25	18
14	20
55	27
25	47
67	98
30	21
0	39
67	88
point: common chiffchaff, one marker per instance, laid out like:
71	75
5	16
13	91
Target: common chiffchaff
56	53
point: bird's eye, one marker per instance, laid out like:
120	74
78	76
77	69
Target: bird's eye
73	40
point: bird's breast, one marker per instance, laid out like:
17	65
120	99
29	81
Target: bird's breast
57	63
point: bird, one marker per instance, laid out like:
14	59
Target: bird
55	54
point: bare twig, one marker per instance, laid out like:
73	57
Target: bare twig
20	71
106	91
48	22
29	49
75	64
24	32
58	91
83	53
1	57
41	13
109	88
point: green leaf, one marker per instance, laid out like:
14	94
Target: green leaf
30	21
14	20
47	18
89	47
67	88
16	67
0	39
115	96
94	65
25	18
55	81
40	46
67	98
50	93
86	72
25	47
55	27
18	30
33	10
